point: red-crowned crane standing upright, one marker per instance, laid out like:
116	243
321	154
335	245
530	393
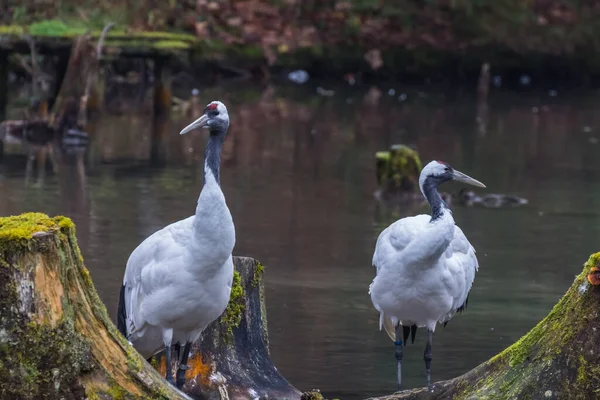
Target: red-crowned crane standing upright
179	279
425	267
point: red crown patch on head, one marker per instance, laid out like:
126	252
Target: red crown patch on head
212	106
441	162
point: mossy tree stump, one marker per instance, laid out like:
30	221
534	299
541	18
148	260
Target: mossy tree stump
56	339
398	169
558	359
231	360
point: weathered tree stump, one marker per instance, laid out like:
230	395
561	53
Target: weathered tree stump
231	361
557	359
56	339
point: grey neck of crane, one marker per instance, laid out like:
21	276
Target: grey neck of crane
438	206
212	155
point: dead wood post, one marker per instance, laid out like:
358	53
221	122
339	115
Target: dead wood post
56	339
61	71
557	359
162	85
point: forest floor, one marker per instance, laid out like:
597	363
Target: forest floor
432	37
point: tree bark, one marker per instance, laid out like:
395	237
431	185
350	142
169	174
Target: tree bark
557	359
56	339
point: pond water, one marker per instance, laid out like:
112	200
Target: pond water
298	173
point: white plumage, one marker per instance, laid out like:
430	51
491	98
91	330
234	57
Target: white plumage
179	279
425	264
424	272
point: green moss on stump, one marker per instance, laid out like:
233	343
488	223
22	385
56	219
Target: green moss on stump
19	230
314	394
258	271
561	312
558	354
235	308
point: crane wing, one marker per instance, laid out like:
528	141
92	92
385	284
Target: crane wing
461	261
397	237
150	266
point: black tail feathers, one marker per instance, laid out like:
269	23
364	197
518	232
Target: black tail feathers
122	313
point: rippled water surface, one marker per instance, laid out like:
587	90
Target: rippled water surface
298	174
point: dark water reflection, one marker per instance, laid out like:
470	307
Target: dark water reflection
298	174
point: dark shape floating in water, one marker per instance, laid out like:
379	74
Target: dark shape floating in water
36	132
469	198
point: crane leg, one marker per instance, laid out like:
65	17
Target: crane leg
183	366
399	351
427	357
169	375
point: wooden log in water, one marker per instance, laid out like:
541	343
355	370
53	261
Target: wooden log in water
557	359
56	339
232	361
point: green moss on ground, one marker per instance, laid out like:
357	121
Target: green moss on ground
116	37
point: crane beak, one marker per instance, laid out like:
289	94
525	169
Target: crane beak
201	122
459	176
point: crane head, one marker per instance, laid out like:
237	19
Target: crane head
438	172
215	119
